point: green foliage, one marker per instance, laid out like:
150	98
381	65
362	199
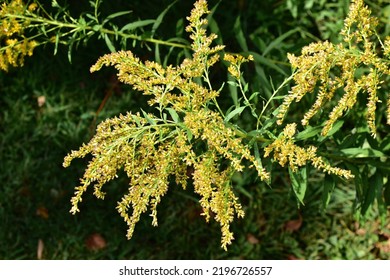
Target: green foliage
190	132
60	27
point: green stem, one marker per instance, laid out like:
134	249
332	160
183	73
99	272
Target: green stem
285	82
140	38
244	135
207	78
45	21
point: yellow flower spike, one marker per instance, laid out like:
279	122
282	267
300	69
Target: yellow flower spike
286	152
32	7
313	70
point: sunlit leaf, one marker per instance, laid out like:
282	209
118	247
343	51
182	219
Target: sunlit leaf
234	113
299	182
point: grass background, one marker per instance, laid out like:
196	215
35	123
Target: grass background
35	189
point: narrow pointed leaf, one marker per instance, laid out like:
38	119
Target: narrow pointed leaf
234	113
299	182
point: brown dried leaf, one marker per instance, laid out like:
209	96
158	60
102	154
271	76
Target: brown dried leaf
95	242
293	225
252	239
293	258
384	247
25	191
42	212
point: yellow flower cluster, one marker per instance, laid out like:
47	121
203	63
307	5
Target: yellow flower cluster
152	150
14	46
235	63
285	151
150	78
211	181
184	133
323	68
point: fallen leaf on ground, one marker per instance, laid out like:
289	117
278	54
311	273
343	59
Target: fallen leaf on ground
384	247
252	239
42	212
95	242
293	225
293	258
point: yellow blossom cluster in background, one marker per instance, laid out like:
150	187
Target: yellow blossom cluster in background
314	70
14	45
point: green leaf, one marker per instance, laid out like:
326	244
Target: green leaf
180	28
56	43
161	17
157	57
92	17
263	80
309	4
375	184
233	83
385	144
381	200
214	28
70	48
115	15
358	179
137	24
242	190
246	87
136	119
277	42
109	43
253	95
174	115
328	187
257	154
309	132
293	7
55	4
267	62
233	89
386	193
234	113
96	27
148	118
189	133
362	153
299	182
266	125
240	35
336	127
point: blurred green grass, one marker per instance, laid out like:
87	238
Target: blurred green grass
35	189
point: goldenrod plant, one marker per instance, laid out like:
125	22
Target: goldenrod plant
185	137
323	68
26	26
14	44
188	132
